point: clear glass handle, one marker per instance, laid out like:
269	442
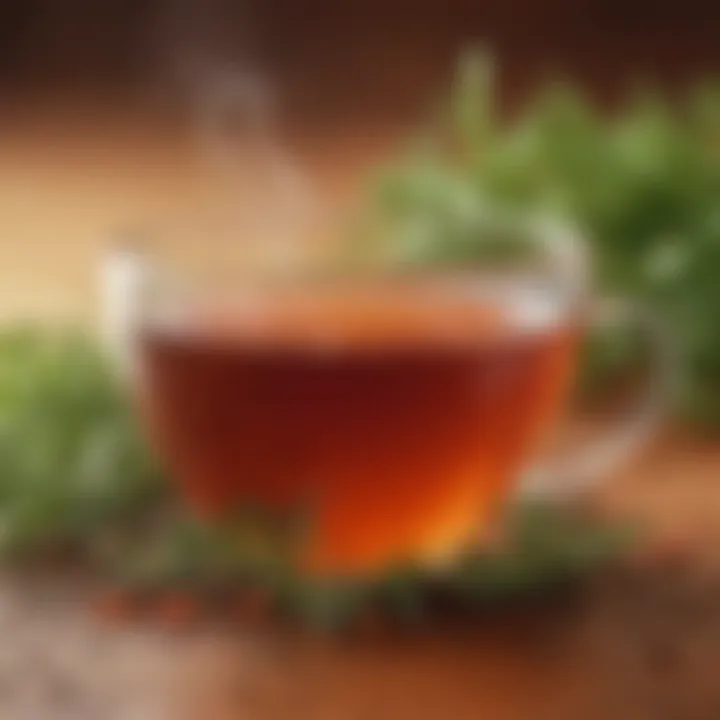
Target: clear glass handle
585	467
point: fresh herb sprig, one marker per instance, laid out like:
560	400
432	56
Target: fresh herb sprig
73	464
643	185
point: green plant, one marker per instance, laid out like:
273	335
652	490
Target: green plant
72	461
643	185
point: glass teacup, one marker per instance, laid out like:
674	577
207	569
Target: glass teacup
396	411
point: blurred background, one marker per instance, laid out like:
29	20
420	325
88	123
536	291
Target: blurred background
98	97
102	105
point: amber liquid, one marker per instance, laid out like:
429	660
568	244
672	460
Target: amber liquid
401	422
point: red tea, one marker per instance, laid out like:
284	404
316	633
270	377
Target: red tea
401	419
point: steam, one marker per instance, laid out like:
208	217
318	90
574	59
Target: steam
235	114
267	197
267	209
